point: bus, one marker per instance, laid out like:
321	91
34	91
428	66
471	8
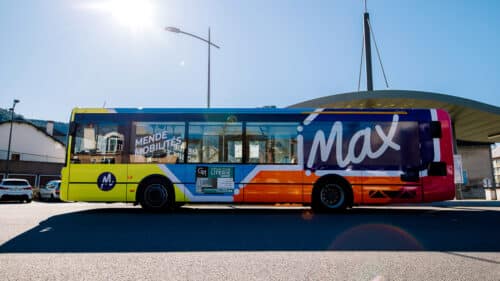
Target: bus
329	159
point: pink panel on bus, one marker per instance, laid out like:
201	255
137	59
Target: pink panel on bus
438	188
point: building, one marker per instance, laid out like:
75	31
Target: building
495	156
35	154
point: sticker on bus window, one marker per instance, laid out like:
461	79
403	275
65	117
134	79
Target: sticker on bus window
214	180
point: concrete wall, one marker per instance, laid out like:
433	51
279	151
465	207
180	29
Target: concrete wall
37	173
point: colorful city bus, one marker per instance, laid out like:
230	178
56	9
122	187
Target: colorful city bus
329	159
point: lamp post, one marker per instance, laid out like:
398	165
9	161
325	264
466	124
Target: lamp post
10	136
177	30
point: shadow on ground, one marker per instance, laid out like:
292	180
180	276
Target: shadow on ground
191	229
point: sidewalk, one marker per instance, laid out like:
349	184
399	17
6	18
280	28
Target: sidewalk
464	203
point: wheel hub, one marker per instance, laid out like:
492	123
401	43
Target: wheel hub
332	195
156	195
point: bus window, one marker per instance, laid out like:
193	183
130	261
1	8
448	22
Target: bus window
272	143
157	142
97	143
215	142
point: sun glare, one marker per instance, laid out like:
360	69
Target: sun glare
136	15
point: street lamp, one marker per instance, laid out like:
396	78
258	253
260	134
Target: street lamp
10	136
177	30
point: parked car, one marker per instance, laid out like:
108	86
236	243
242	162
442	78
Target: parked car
16	189
50	191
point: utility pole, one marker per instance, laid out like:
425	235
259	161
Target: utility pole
210	44
7	168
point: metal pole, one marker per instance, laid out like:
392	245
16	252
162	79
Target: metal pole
208	91
7	171
210	44
369	76
458	186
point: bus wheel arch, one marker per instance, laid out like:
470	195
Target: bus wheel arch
156	193
331	193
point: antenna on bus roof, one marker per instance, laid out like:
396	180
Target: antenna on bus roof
104	104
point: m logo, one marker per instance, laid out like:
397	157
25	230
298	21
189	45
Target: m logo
106	181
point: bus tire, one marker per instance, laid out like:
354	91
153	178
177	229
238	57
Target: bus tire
331	195
156	196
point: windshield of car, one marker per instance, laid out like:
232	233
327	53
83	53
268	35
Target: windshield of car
15	182
52	184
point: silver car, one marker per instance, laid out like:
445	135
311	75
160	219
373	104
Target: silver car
51	190
16	190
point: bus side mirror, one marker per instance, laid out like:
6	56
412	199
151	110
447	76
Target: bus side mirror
410	175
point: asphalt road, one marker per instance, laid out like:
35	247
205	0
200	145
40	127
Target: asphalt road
80	241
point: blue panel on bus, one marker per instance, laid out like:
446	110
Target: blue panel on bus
186	173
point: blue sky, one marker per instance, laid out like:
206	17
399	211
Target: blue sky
58	54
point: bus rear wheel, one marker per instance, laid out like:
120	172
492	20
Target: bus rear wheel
157	196
330	197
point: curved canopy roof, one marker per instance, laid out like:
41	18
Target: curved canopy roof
474	121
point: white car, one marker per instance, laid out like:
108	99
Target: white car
50	191
16	189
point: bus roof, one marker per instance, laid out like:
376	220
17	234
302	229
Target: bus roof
231	110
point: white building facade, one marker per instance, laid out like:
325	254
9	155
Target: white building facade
35	155
30	143
496	164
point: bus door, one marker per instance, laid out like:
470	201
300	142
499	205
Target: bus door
225	167
273	172
214	157
98	170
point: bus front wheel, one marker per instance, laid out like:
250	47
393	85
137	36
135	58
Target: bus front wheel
157	196
330	197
